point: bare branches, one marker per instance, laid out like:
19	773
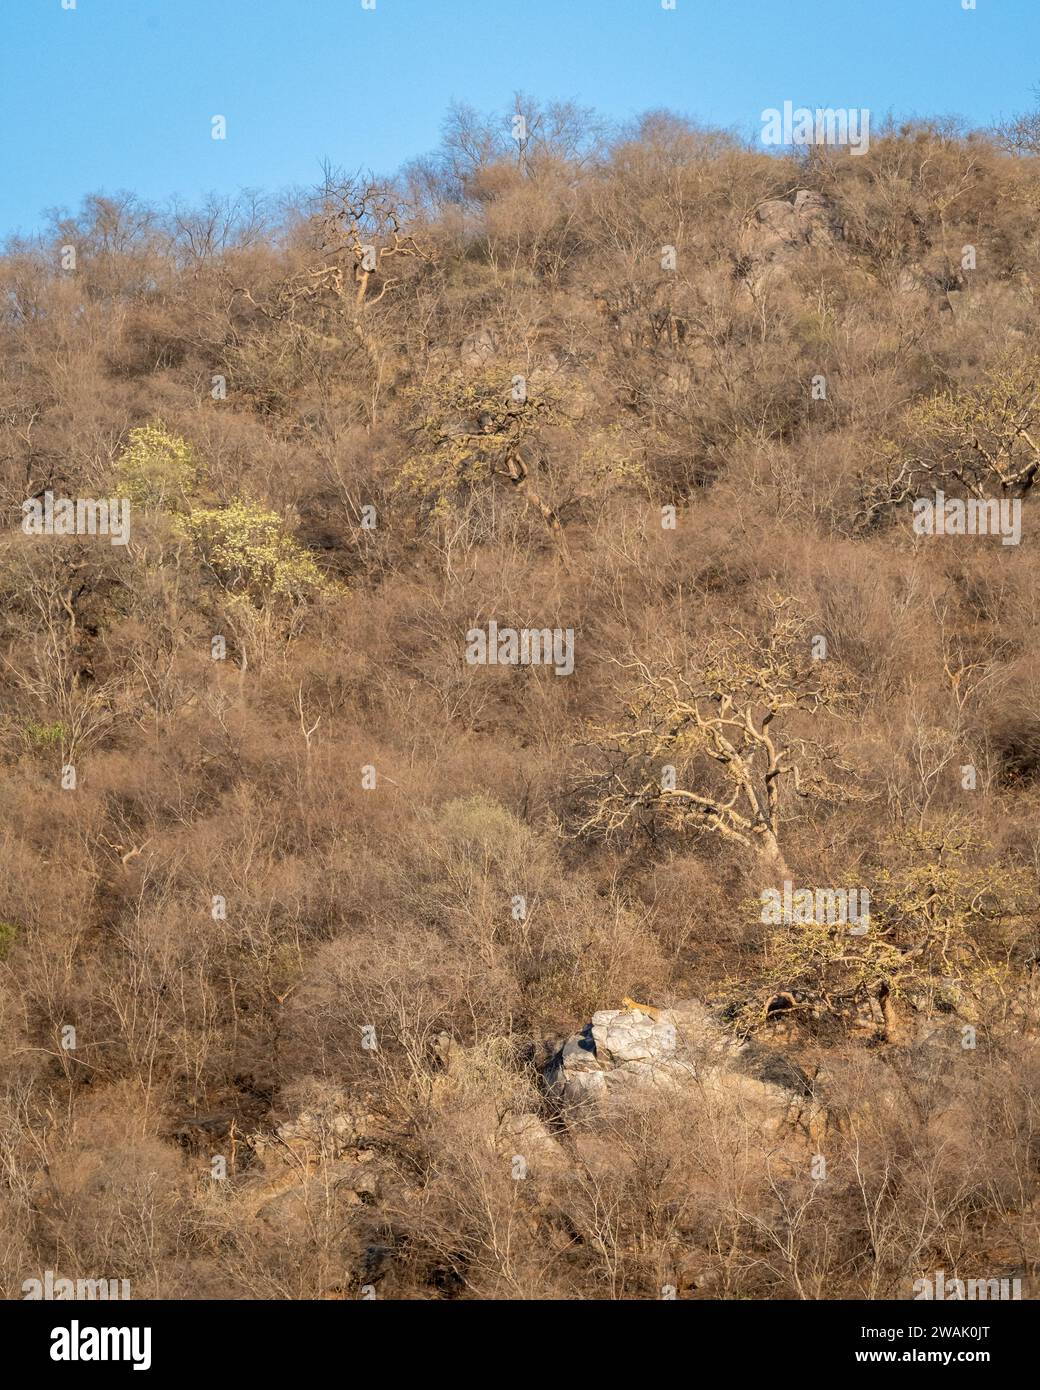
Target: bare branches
364	225
723	714
308	734
357	229
977	440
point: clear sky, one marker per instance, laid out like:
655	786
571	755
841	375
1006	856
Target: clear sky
119	94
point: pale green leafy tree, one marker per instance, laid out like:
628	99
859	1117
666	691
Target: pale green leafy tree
157	469
248	551
243	545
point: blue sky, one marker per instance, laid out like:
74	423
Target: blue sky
119	94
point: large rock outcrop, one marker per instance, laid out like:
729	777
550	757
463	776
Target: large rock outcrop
782	232
623	1051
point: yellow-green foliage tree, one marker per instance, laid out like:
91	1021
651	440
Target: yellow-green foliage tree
157	469
472	428
981	442
986	437
944	921
247	550
243	545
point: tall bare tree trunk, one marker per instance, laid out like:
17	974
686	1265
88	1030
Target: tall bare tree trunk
771	859
894	1030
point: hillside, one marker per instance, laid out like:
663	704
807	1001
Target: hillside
502	595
